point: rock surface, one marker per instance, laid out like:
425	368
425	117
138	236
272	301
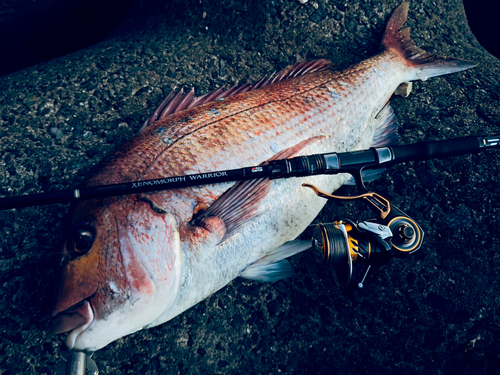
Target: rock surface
436	312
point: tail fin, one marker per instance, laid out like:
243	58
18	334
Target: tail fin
427	64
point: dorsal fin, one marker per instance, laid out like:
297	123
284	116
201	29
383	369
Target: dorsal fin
174	103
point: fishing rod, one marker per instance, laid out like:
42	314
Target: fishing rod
353	162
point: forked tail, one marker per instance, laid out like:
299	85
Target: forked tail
427	65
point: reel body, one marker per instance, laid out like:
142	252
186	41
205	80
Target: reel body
372	242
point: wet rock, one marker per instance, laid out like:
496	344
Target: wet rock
428	178
438	302
272	307
282	287
88	135
337	15
222	364
222	68
250	290
400	185
110	135
56	133
458	317
404	89
318	15
351	24
237	321
433	338
458	217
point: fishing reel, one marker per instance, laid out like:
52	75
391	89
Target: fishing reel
373	242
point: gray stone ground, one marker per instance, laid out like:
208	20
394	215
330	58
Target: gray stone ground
434	313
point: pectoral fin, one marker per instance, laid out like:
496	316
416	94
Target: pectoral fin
239	204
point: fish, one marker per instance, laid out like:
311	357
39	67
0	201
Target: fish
136	261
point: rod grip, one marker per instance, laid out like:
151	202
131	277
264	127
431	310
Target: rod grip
435	149
357	159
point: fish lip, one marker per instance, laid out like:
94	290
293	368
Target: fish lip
74	320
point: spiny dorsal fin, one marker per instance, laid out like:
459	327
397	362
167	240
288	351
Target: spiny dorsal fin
174	103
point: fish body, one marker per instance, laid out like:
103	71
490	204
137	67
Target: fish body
136	261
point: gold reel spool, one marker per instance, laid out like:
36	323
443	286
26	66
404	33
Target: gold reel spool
333	246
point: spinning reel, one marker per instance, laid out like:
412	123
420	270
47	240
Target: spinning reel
372	242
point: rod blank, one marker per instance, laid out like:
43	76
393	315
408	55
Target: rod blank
331	163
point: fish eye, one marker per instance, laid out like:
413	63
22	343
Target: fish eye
80	240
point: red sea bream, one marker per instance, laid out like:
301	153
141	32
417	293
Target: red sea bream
136	261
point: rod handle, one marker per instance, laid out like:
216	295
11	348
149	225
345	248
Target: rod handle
435	149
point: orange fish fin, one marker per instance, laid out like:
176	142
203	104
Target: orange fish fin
174	103
239	204
294	150
427	65
235	207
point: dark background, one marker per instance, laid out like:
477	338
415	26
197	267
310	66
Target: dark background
32	32
483	17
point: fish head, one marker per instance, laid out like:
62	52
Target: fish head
120	271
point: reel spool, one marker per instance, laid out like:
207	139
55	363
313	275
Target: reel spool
343	243
331	247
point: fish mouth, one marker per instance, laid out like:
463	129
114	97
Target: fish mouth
74	320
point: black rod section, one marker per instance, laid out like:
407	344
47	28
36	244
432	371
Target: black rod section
435	149
331	163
